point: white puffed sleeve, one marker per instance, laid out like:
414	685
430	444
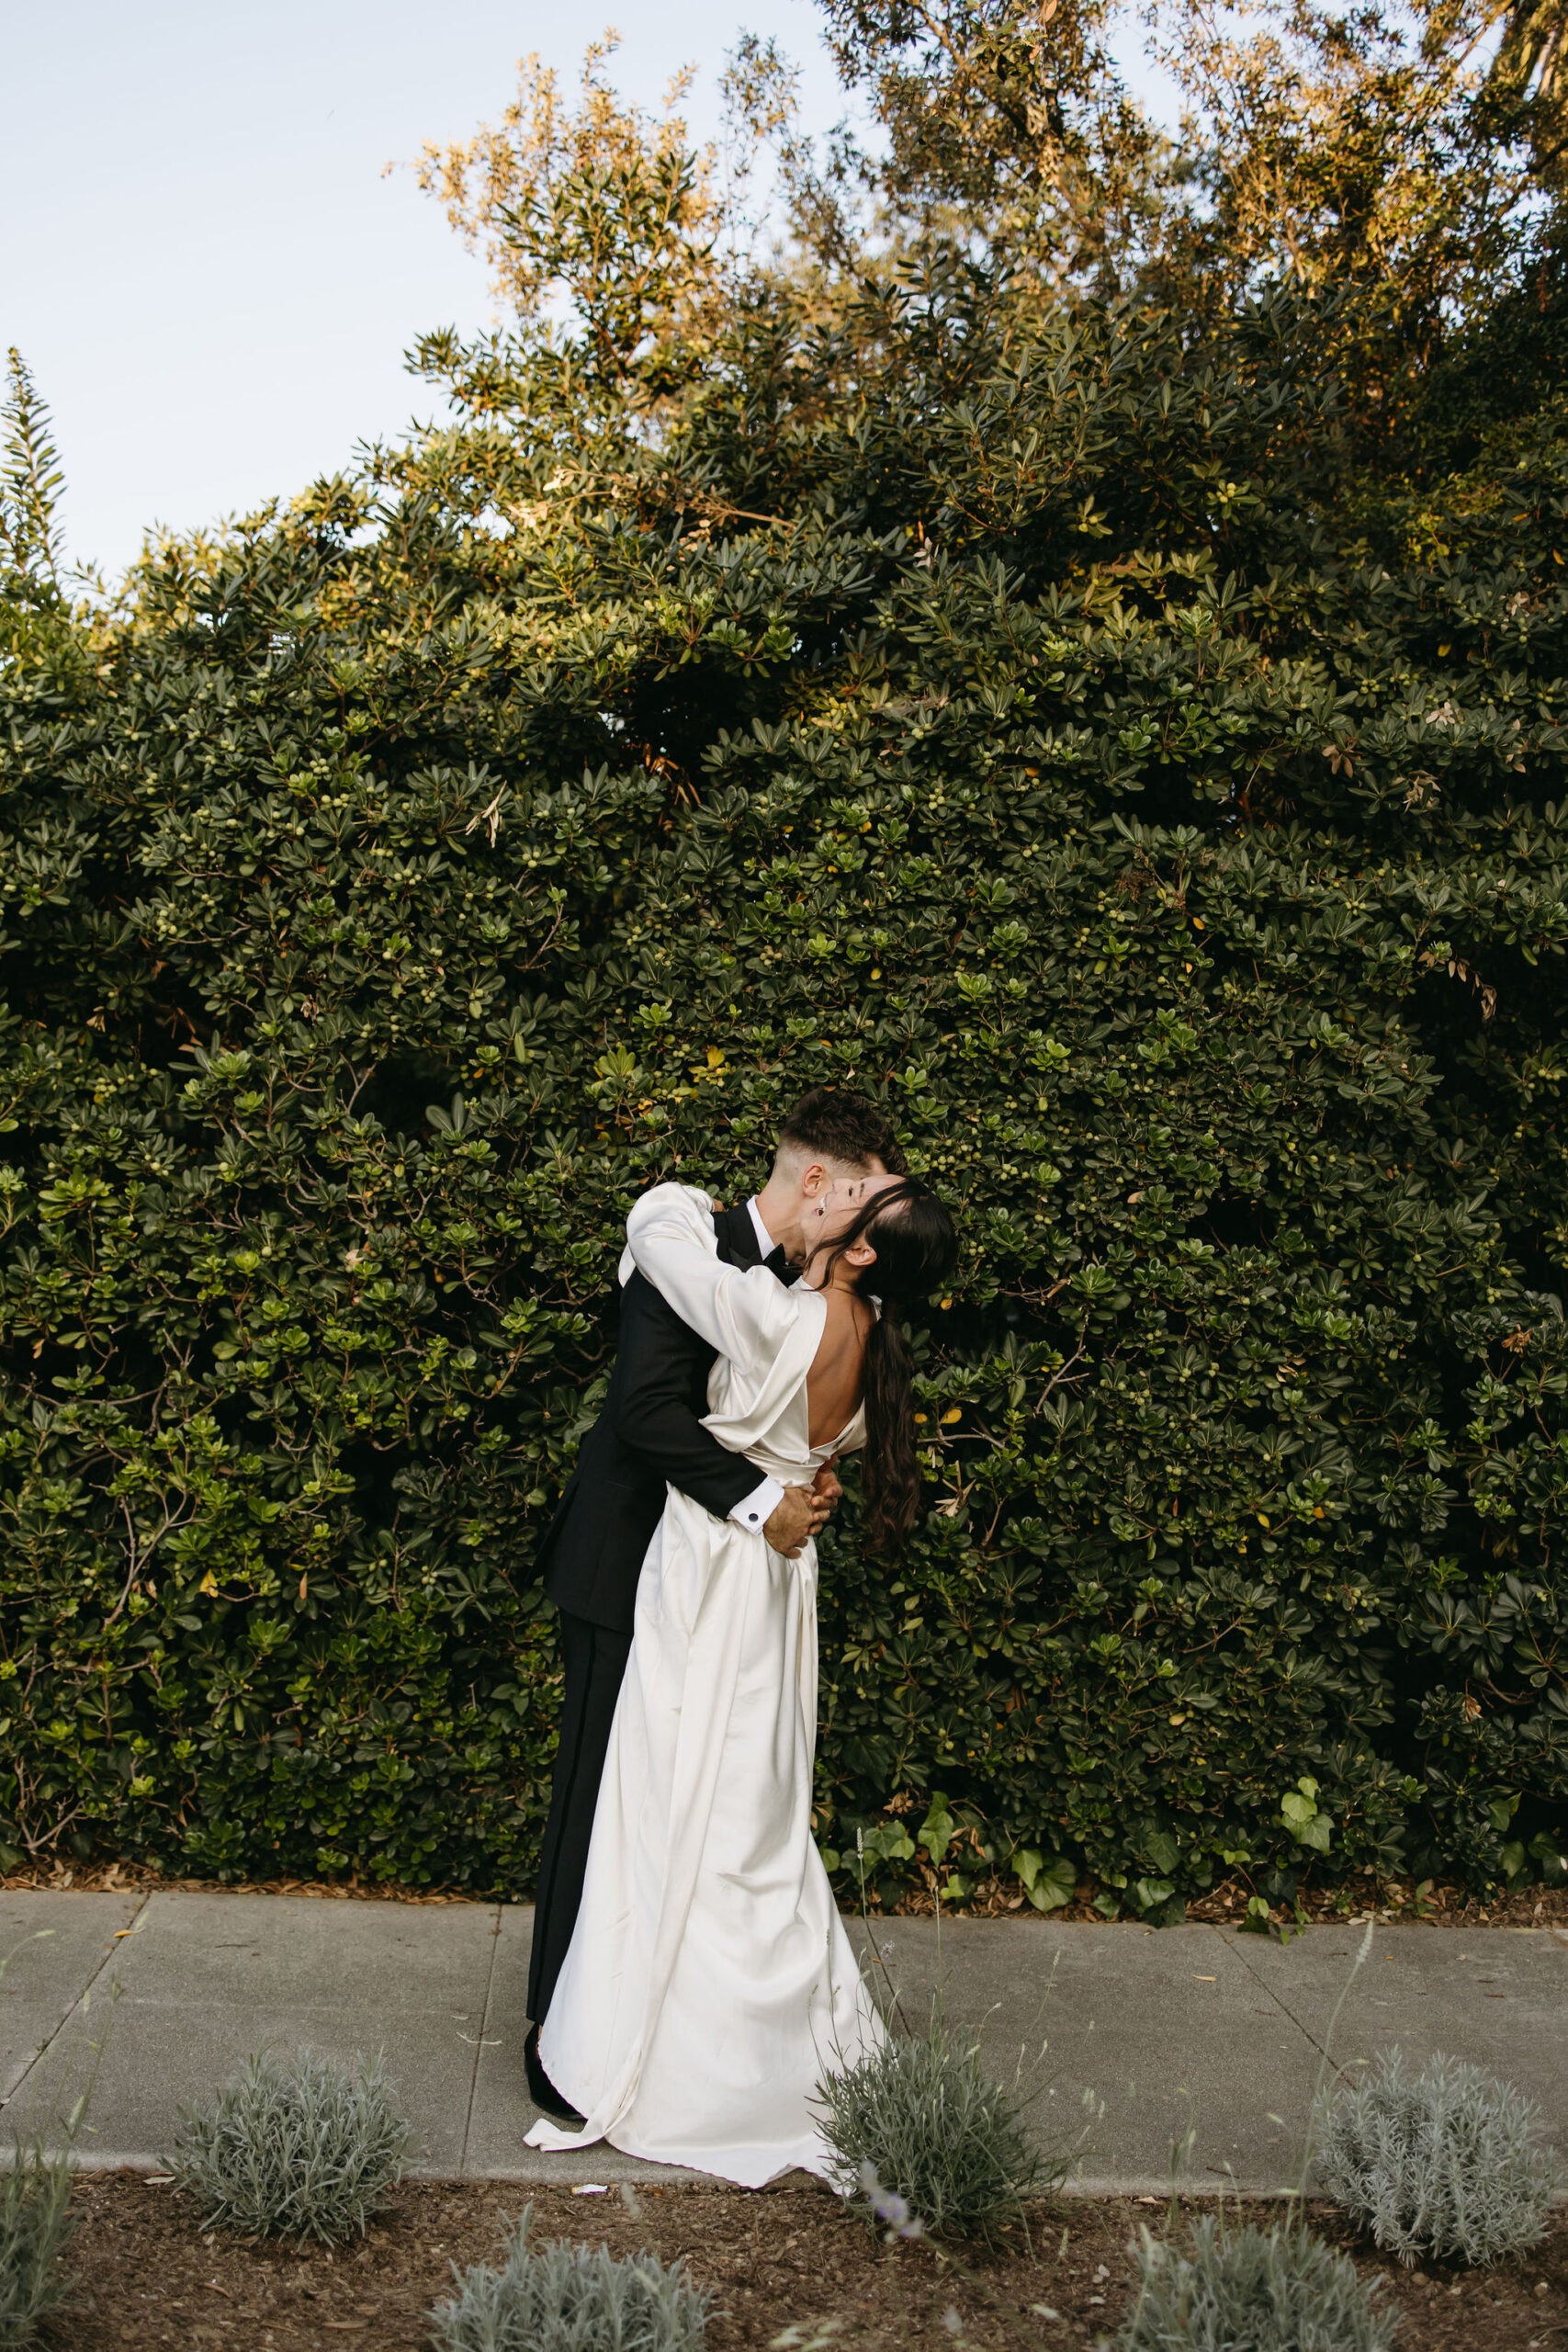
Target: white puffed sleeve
745	1314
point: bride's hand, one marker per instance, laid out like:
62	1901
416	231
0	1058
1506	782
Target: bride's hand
827	1488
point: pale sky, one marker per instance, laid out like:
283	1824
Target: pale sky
202	263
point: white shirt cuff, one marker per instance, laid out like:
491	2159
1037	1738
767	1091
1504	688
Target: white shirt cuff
755	1510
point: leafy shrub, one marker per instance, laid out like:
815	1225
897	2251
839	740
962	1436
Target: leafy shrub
1090	751
306	2150
566	2298
36	2225
920	2122
1280	2290
1447	2163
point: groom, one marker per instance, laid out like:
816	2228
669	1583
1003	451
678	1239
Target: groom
651	1434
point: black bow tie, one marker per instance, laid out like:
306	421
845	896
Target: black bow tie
777	1263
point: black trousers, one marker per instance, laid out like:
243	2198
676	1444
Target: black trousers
595	1660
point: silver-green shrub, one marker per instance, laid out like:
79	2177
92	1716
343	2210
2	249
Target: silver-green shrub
304	2150
565	2297
922	2115
35	2225
1446	2163
1268	2291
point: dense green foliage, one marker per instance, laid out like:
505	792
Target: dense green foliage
1050	719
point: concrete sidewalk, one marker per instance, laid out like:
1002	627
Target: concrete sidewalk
1149	2035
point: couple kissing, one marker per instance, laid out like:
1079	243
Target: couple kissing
691	1980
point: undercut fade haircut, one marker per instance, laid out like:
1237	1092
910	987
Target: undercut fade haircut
829	1124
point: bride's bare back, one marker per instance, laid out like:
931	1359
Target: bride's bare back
834	1383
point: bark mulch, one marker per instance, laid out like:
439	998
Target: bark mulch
790	2258
1423	1902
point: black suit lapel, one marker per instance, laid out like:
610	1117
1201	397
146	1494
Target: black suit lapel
738	1244
736	1236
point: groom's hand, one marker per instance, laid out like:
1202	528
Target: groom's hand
827	1488
794	1521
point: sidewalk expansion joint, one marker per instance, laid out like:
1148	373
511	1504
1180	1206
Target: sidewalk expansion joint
479	2044
1284	2009
35	2061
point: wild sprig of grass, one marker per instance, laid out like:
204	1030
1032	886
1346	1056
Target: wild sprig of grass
35	2221
919	2134
1274	2289
1447	2163
565	2297
1279	2289
307	2149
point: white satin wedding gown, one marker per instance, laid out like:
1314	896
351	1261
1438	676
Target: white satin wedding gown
710	1983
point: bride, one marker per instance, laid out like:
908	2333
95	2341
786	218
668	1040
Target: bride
710	1983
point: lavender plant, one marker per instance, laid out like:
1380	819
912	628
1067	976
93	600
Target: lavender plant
305	2150
1447	2163
1280	2290
35	2226
564	2297
920	2116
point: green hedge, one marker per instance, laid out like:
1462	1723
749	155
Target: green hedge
1068	741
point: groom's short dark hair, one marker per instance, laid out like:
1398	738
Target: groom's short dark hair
849	1128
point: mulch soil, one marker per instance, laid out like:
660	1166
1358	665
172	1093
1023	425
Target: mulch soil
790	2258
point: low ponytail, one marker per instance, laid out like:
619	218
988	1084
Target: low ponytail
890	1480
912	1235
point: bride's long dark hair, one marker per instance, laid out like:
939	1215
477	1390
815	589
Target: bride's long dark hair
912	1235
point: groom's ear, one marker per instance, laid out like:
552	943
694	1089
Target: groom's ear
813	1177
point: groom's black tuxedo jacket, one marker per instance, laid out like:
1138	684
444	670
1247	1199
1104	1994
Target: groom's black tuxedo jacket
648	1432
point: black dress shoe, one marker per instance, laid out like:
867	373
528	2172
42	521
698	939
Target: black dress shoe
541	2090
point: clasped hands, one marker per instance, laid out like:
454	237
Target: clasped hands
804	1512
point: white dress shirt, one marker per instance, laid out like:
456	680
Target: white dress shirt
754	1509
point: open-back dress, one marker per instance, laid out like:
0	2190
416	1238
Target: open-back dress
710	1983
